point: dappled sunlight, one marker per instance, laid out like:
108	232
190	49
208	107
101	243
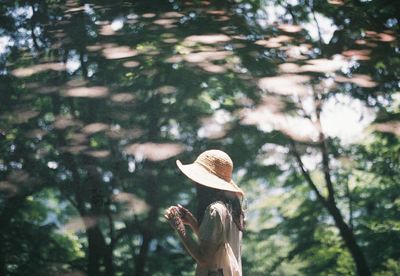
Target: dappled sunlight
167	23
72	273
172	14
107	30
48	89
274	42
131	64
216	12
116	132
94	128
174	59
341	116
286	84
315	65
36	133
71	3
154	151
215	126
33	85
75	8
364	42
38	68
170	40
206	56
21	116
42	89
63	122
101	99
86	92
118	52
206	39
289	28
8	189
148	15
388	127
60	34
94	48
298	128
359	80
358	54
74	149
336	2
16	181
80	224
273	154
324	65
98	153
211	130
132	204
122	98
77	138
76	82
297	52
270	115
212	68
167	90
147	49
19	177
78	142
346	118
289	67
387	36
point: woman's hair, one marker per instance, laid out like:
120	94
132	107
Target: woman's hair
206	196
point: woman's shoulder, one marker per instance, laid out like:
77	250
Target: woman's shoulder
217	208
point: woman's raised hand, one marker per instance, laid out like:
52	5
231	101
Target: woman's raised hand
172	214
188	218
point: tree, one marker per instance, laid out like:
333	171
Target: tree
99	99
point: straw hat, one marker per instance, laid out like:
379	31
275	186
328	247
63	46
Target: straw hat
212	168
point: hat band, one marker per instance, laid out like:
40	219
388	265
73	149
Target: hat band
227	179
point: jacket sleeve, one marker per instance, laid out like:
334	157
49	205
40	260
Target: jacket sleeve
211	228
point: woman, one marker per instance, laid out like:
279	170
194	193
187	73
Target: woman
219	220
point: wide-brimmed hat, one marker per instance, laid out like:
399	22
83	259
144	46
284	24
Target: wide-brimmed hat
212	168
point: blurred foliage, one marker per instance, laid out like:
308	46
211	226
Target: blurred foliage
98	99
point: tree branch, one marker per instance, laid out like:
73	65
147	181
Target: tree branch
324	151
306	174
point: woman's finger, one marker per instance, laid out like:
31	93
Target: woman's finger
183	209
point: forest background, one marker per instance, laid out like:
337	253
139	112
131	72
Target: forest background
99	98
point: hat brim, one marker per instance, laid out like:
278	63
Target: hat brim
202	176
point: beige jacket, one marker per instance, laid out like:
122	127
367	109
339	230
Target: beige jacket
219	228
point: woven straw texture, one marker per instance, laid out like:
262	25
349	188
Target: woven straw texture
212	168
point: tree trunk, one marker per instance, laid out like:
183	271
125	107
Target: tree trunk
95	251
148	229
11	207
2	256
141	259
99	252
108	260
350	241
329	203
